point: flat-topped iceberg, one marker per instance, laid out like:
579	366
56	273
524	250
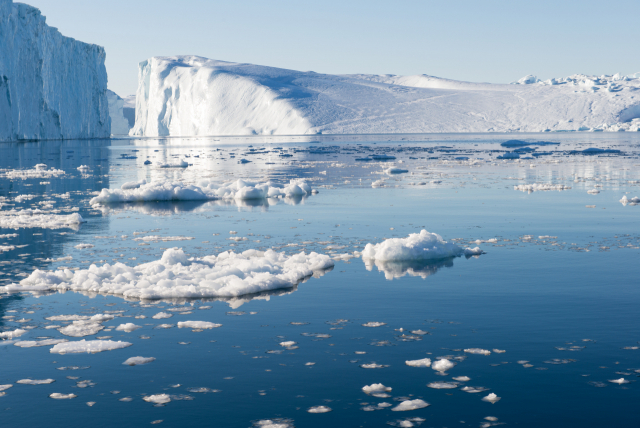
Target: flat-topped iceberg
195	96
205	190
51	86
421	246
176	276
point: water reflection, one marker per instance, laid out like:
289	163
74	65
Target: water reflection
395	270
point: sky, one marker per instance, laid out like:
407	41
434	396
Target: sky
474	40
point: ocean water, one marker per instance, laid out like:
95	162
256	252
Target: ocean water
556	290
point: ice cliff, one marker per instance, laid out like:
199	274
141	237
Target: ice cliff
195	96
51	86
119	124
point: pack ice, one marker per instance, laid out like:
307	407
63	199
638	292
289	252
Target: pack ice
175	275
51	86
195	96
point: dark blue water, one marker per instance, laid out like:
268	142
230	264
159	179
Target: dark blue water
533	298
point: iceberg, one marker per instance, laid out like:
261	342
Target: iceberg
51	86
196	96
119	124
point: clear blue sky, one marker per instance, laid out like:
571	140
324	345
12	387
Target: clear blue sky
473	40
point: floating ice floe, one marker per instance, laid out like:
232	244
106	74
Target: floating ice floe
29	218
474	389
83	169
593	191
410	405
81	328
620	381
477	351
288	344
443	385
491	398
39	171
179	164
376	390
540	186
205	190
12	334
417	246
425	362
157	398
374	324
373	366
274	423
88	346
198	324
136	361
176	276
128	327
319	409
442	365
38	343
59	396
5	387
633	201
156	238
462	378
407	423
162	315
35	381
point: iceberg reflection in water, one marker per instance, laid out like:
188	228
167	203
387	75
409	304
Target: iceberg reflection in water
395	270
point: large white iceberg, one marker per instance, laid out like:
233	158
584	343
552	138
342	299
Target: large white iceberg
176	276
195	96
51	86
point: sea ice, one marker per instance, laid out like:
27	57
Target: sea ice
417	246
443	385
35	381
29	218
198	324
39	171
5	387
81	329
376	388
538	187
59	396
477	351
128	327
425	362
161	315
410	405
374	324
88	346
442	365
626	201
620	381
175	275
491	398
136	361
157	398
12	334
319	409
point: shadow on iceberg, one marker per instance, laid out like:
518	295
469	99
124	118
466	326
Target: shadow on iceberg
398	269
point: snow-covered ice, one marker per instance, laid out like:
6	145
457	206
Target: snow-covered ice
35	381
477	351
491	398
81	328
410	405
18	219
319	409
128	327
60	396
175	275
52	86
417	246
157	398
12	334
442	365
247	99
424	362
198	324
38	171
88	346
136	361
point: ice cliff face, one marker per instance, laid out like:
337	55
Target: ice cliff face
51	86
119	124
195	96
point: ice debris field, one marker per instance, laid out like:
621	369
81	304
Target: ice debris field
321	280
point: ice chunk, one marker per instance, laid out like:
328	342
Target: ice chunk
477	351
59	396
462	378
81	329
319	409
376	388
12	334
540	186
157	398
491	398
374	324
5	387
174	275
16	219
417	246
442	365
620	381
136	361
443	385
410	405
198	324
161	315
425	362
37	343
128	327
88	346
35	381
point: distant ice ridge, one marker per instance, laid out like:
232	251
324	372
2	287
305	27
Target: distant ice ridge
421	246
119	124
51	86
206	190
195	96
176	276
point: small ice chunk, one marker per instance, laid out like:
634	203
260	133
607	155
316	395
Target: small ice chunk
443	385
474	389
162	315
81	329
128	327
491	398
12	334
88	346
425	362
157	398
319	409
5	387
198	324
442	365
416	247
477	351
375	388
35	381
288	344
620	381
410	405
136	361
374	324
59	396
462	378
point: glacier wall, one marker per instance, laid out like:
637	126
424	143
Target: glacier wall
195	96
119	124
51	86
